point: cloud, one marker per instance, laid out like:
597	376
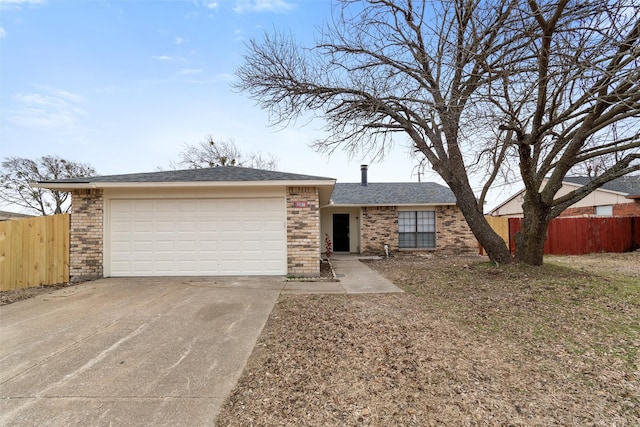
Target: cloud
16	4
3	33
50	108
19	2
212	5
180	40
243	6
163	58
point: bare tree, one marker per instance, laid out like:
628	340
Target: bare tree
210	153
18	173
575	104
478	88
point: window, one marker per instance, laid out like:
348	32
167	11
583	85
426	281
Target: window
604	210
417	229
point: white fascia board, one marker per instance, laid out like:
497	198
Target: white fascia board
178	184
362	205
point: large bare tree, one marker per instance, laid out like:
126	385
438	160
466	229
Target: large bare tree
498	89
18	173
211	153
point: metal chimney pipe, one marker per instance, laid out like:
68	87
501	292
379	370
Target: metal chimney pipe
363	172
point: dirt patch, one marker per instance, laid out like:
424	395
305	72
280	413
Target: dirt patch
14	295
467	344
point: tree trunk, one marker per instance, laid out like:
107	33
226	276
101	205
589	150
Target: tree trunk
492	243
530	239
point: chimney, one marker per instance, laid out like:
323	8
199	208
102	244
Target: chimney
363	171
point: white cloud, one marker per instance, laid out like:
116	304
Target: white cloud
212	5
180	40
51	108
16	4
163	58
3	33
243	6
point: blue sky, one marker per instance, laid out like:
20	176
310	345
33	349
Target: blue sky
123	85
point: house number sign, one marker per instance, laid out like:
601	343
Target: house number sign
300	204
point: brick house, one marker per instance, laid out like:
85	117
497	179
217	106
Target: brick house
617	198
238	221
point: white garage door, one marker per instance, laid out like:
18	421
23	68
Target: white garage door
188	237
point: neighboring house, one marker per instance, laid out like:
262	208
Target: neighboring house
620	198
241	221
6	215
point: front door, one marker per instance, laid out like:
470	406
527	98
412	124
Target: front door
341	232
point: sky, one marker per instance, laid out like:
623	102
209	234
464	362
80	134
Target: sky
124	85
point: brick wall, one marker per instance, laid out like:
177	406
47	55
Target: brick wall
453	234
379	227
86	243
620	209
627	209
579	211
303	232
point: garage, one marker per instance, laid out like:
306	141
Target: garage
196	237
219	221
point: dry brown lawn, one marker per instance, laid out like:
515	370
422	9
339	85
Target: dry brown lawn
468	344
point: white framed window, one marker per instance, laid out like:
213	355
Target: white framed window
416	229
606	210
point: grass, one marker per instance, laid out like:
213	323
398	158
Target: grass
468	343
549	305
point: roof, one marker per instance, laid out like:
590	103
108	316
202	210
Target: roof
216	174
223	176
392	193
410	193
6	215
628	185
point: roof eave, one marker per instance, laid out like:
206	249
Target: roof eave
359	205
67	186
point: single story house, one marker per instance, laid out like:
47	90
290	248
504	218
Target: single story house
239	221
618	198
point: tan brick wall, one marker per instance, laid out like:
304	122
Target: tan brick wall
380	226
453	234
86	239
303	232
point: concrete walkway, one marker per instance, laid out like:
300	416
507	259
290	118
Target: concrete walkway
354	278
142	351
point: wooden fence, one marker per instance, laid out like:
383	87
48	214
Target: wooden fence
576	236
34	251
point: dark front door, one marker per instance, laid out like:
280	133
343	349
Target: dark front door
341	232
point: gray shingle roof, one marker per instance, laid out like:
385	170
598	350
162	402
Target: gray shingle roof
629	185
5	215
223	173
392	193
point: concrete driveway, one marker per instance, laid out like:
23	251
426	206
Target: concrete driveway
149	351
130	351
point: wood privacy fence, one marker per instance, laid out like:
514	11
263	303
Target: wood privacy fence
576	236
34	251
